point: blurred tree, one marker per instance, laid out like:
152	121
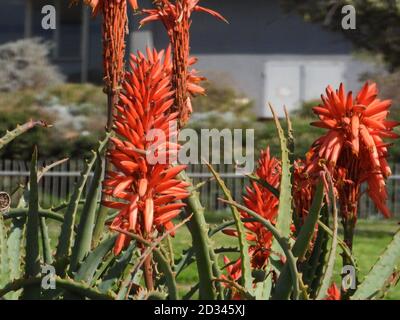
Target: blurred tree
378	23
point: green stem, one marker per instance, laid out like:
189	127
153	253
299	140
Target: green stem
201	243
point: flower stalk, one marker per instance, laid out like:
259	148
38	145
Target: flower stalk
176	17
114	31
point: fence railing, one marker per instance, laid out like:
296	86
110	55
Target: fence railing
58	183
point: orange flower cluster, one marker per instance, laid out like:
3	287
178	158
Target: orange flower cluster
176	18
353	148
260	200
303	189
333	293
146	192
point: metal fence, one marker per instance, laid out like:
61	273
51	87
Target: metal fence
58	183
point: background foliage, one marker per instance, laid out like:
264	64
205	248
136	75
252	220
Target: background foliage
378	23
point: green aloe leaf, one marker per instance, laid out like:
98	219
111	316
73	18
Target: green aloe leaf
85	228
284	218
185	260
191	292
130	275
389	284
328	271
74	287
14	245
45	239
263	289
32	260
111	277
381	271
156	295
201	243
290	134
66	236
314	265
92	262
284	284
306	233
4	266
247	279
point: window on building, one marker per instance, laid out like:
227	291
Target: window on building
11	20
65	38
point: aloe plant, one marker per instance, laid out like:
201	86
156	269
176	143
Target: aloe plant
120	247
88	271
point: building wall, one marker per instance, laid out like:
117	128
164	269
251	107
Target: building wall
269	55
12	18
281	84
257	27
263	52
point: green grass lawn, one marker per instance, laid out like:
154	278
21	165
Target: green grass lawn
371	238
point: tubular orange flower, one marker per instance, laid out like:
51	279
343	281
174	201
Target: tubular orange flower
262	201
146	193
333	293
176	18
354	142
114	30
353	150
